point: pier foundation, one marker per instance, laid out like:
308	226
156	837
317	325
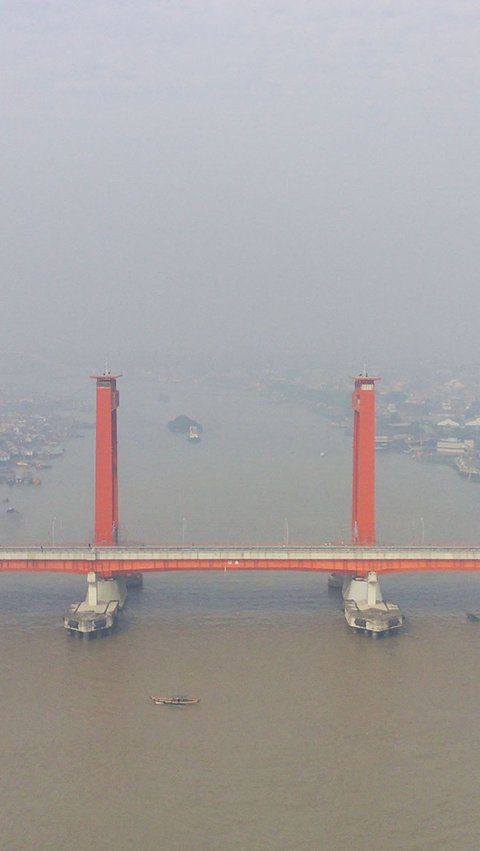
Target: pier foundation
364	606
335	581
98	613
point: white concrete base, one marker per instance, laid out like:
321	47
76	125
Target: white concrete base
83	620
365	609
106	590
98	613
362	589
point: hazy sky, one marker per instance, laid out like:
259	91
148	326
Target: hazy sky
228	179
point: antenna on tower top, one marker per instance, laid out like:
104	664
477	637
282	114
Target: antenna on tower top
107	370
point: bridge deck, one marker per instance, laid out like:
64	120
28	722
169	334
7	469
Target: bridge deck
108	561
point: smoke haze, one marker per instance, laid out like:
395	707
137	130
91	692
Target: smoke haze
236	181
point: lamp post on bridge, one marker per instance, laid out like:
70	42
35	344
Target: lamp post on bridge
422	531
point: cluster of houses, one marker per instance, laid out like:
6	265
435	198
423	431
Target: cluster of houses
438	422
435	416
30	440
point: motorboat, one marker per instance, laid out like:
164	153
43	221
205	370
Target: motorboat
175	700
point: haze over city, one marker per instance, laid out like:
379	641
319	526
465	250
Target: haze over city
239	603
231	182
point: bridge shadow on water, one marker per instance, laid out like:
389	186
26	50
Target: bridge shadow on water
229	593
43	599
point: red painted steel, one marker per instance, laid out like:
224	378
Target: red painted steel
363	482
115	567
106	514
106	460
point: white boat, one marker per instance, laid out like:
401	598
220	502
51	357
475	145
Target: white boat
193	435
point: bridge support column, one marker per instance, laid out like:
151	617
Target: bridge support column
100	591
335	581
364	606
98	613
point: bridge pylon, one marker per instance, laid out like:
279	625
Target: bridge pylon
364	606
106	460
98	613
363	478
363	481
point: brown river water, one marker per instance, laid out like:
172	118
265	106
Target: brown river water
307	736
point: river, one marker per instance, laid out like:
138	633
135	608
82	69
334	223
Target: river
307	736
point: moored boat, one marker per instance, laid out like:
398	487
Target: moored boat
193	435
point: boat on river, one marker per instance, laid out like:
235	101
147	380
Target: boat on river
193	434
175	700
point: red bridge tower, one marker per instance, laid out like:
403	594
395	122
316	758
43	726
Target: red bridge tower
363	491
106	460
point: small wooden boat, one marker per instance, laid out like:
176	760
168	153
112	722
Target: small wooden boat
175	700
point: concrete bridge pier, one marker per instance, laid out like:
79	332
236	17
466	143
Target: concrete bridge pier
364	606
335	581
98	613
